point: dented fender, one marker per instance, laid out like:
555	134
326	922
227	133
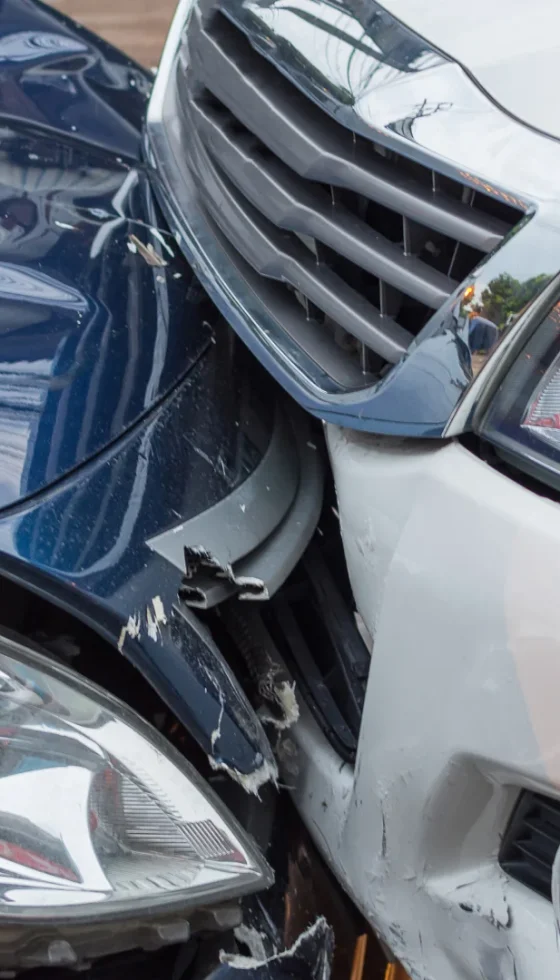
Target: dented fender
83	545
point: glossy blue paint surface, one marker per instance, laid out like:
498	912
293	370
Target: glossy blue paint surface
56	74
92	335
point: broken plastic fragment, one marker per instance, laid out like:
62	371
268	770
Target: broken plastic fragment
252	781
310	956
202	567
147	252
275	686
254	940
284	693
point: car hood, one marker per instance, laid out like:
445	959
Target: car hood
510	47
99	318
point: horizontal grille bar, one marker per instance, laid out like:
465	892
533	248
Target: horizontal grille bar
531	842
306	208
313	145
282	256
305	334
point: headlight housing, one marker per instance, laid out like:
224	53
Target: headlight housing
108	837
523	418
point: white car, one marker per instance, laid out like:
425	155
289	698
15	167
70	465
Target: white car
370	194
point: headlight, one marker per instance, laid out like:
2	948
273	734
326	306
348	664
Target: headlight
107	836
523	420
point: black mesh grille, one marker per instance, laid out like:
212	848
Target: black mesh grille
352	246
312	623
531	842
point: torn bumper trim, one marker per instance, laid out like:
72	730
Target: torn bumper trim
309	957
250	542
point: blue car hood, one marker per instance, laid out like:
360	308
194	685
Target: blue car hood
95	324
92	307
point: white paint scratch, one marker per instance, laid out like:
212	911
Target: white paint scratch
159	609
132	629
155	618
252	781
217	733
157	234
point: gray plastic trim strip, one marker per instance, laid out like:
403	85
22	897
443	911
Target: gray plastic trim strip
239	523
271	563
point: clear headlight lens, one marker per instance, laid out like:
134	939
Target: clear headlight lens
100	820
523	420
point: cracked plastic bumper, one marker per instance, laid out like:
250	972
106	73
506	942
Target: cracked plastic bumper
454	569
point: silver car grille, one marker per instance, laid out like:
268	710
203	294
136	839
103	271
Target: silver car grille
351	246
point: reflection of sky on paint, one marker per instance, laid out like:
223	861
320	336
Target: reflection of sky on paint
14	445
29	45
333	57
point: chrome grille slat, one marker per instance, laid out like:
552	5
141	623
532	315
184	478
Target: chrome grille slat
315	147
304	207
281	256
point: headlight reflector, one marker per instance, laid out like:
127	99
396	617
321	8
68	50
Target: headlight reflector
100	819
523	418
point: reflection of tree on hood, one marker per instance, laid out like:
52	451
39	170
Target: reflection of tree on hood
505	296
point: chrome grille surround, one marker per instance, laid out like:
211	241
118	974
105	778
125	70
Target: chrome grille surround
261	209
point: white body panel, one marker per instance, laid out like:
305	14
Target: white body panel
510	47
455	572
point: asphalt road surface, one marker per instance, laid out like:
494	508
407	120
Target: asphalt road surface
139	27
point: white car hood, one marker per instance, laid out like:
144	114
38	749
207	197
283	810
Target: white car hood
511	47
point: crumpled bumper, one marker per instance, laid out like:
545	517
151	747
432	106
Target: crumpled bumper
454	569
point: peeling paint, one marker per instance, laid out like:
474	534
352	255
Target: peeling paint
132	629
254	940
155	618
159	609
252	781
152	620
